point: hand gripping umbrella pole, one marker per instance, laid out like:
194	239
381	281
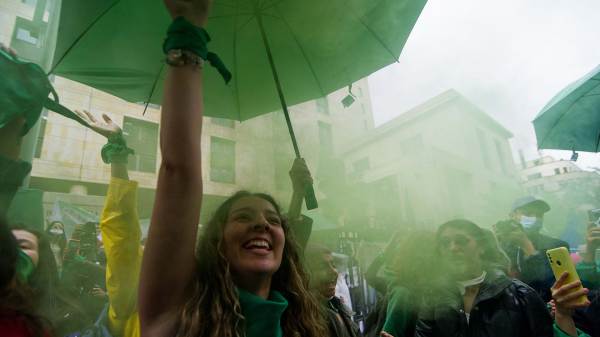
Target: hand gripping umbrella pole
309	193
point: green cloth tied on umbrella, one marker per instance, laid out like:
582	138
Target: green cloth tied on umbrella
116	151
24	90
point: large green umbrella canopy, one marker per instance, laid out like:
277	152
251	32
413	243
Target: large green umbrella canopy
280	51
571	120
317	47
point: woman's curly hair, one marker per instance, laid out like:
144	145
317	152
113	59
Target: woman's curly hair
213	309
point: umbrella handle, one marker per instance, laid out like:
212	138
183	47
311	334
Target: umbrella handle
309	192
310	198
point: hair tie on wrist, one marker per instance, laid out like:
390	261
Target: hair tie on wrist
116	151
183	35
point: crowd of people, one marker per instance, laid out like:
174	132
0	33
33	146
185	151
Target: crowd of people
251	271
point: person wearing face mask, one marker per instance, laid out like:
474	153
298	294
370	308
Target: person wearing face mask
476	298
323	279
18	314
58	242
523	241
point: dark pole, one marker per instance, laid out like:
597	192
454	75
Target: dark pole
309	197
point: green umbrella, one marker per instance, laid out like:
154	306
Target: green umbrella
300	50
571	120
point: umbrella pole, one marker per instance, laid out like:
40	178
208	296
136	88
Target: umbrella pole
309	197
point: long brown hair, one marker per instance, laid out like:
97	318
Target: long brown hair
415	263
213	309
16	299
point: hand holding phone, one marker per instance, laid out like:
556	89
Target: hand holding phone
561	263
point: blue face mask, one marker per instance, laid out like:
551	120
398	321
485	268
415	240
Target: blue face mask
530	222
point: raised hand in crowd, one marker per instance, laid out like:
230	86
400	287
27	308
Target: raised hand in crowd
592	240
116	151
511	232
164	284
195	11
565	299
300	177
106	127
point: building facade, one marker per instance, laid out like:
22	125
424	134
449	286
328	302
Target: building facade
570	192
443	159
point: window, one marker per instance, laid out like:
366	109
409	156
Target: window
142	137
40	138
222	160
557	171
483	149
228	123
501	158
26	35
361	165
325	138
565	170
534	176
322	105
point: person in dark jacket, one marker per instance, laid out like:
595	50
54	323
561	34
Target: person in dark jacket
526	245
477	298
323	279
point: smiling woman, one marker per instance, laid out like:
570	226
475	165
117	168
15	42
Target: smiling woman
245	277
248	258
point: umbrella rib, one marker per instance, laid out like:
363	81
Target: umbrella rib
81	36
224	16
372	32
235	65
271	5
162	64
303	52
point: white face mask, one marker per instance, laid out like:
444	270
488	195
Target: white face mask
56	231
528	221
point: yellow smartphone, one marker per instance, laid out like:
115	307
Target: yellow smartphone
560	261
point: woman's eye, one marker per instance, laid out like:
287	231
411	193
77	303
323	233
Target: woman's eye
275	221
243	217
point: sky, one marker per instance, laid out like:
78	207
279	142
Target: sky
508	57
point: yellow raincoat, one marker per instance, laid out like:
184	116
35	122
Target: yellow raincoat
121	236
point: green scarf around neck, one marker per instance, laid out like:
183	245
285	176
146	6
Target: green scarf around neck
263	317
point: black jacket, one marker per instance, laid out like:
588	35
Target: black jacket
535	270
588	319
503	308
339	320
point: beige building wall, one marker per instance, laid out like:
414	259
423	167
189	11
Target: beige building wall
447	158
9	11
